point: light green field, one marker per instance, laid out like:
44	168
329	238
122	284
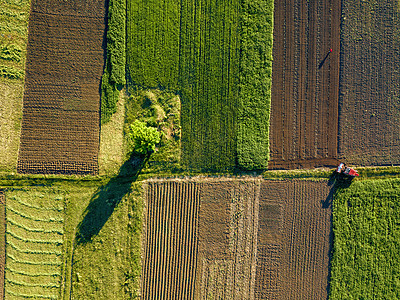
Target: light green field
366	250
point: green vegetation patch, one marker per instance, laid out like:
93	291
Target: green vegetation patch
160	110
366	225
114	73
217	57
256	37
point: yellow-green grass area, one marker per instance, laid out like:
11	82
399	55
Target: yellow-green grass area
111	152
366	249
13	41
72	238
34	243
106	257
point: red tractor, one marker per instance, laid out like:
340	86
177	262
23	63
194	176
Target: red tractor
346	171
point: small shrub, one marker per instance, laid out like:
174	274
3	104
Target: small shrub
143	139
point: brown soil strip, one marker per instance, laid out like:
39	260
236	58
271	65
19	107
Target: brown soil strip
2	241
61	106
369	122
293	240
305	87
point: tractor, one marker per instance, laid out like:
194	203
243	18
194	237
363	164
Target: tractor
346	171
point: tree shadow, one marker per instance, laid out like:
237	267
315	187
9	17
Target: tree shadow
107	197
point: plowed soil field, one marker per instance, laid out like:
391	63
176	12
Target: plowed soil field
60	126
369	120
236	239
305	83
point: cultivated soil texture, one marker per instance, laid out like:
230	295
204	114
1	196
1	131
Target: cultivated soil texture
369	119
2	241
60	126
236	239
305	84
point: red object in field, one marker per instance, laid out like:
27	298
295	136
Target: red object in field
330	50
342	169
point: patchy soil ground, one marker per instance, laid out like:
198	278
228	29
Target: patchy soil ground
60	126
369	120
305	84
236	239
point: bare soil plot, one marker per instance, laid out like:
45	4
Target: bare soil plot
294	240
60	126
305	83
369	119
236	239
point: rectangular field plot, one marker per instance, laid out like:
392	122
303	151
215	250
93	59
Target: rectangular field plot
305	83
236	239
35	228
294	262
65	60
369	122
2	241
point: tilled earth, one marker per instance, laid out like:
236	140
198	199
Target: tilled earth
60	126
305	84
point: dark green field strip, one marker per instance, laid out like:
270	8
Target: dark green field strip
256	38
366	257
208	69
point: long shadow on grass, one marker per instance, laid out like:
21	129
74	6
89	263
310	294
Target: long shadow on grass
336	182
107	198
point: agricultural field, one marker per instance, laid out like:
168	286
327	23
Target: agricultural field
60	125
237	239
13	39
305	85
369	120
34	244
205	52
366	252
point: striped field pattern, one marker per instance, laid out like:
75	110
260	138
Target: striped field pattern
169	264
34	246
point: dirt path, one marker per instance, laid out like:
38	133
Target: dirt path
305	84
60	125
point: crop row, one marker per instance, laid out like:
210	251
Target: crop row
217	56
34	253
114	72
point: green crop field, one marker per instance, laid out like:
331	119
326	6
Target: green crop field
212	55
366	255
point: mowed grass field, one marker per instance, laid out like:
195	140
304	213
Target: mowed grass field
14	16
366	250
34	244
217	56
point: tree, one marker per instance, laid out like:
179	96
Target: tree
143	138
